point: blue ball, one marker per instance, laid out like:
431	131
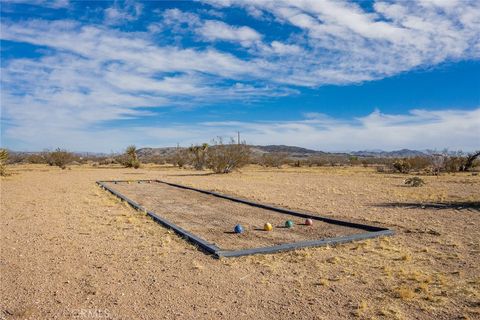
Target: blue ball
238	229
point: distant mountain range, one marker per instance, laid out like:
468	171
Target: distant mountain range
404	153
294	151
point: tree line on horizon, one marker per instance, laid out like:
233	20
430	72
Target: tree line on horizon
222	157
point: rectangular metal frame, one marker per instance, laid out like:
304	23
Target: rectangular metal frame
372	231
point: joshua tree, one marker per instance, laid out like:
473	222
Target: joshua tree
131	160
199	153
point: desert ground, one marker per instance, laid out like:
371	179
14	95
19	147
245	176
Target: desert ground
70	250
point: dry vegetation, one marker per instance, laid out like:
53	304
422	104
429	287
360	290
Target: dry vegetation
3	162
70	250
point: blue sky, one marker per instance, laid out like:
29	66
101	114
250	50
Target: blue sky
328	75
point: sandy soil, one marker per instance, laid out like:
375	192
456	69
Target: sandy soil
71	251
213	219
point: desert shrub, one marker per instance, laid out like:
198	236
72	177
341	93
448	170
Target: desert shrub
156	159
317	161
353	160
47	158
438	163
274	159
107	161
297	163
199	155
419	163
224	158
180	158
402	166
35	159
460	162
3	162
414	182
59	158
130	158
16	157
454	164
470	161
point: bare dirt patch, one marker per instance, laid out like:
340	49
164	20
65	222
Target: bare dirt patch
70	250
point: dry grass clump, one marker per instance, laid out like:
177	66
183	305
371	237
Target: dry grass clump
406	257
333	260
404	293
361	308
322	282
414	182
197	265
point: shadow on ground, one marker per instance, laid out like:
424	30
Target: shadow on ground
191	174
457	205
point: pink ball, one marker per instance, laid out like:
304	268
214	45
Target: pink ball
308	222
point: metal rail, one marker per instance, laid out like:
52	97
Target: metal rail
372	231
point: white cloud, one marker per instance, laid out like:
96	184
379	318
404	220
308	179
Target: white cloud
208	30
218	30
54	4
278	47
123	12
180	20
343	43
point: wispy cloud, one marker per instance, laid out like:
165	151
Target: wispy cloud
206	29
54	4
218	30
343	43
107	79
123	12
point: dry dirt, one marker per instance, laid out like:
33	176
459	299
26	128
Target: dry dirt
213	219
71	251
